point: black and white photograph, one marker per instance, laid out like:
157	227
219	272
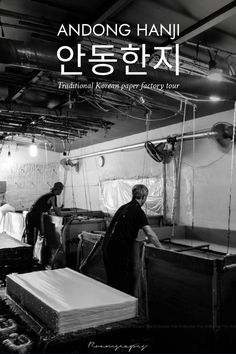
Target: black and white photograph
117	176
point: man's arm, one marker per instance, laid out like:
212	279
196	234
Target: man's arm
152	237
56	209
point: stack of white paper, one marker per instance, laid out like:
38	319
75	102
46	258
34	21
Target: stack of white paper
68	301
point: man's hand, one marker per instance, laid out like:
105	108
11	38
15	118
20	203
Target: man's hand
152	237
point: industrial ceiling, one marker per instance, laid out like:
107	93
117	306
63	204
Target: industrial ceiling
33	103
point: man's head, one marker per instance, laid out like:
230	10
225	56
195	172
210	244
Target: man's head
57	188
140	193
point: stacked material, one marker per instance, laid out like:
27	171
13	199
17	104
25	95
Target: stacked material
13	251
14	224
67	301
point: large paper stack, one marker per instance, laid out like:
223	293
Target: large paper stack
13	251
68	301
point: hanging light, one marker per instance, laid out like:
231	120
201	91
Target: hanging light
64	148
215	73
33	149
9	150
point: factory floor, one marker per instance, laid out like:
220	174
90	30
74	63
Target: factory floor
140	338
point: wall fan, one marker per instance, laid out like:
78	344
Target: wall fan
162	152
67	163
223	134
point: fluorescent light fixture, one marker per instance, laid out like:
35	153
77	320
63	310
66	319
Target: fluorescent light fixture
215	98
214	74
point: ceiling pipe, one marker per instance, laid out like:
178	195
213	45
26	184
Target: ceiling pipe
36	20
187	136
44	57
3	92
206	23
29	114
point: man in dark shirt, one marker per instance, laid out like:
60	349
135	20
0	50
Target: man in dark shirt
119	240
34	218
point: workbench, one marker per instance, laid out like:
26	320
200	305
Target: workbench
71	231
15	256
191	282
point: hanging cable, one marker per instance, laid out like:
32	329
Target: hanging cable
231	180
46	153
71	176
100	186
174	188
147	125
64	189
46	162
177	189
72	190
194	156
2	30
144	119
164	208
85	191
86	176
209	164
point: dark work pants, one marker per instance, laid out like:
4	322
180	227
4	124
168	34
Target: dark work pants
32	228
119	271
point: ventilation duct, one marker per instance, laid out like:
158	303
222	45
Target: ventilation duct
44	57
221	132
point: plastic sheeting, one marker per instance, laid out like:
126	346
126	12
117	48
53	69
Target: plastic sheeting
114	193
170	190
4	209
13	224
186	191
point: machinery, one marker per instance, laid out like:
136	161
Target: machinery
62	235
